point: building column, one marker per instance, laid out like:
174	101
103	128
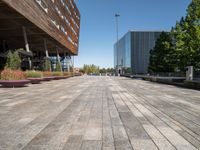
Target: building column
72	63
46	51
58	58
45	47
26	45
65	59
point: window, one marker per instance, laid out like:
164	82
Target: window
73	31
57	9
71	4
68	9
70	40
67	21
63	30
55	24
62	2
43	5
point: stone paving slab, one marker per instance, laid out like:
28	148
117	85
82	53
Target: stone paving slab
99	113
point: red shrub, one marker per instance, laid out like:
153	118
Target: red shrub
9	74
47	74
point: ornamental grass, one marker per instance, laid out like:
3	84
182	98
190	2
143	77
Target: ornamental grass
57	73
47	74
66	73
33	74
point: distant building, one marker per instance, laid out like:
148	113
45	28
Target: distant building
132	51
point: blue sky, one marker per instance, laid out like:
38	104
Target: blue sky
98	30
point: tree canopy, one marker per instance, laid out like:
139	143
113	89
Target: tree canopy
161	55
13	60
88	69
183	48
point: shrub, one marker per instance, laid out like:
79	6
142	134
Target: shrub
72	73
58	66
57	73
47	74
13	60
47	64
9	74
33	74
66	73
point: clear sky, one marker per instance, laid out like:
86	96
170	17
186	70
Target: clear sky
98	29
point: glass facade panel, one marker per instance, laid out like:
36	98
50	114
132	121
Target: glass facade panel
122	52
132	51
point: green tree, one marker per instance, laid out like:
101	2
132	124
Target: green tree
187	37
178	36
13	60
90	69
162	58
103	70
192	28
58	66
47	64
128	70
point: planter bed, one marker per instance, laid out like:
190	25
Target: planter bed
192	84
47	78
59	77
35	80
77	74
14	83
65	77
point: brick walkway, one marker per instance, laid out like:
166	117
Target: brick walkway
95	113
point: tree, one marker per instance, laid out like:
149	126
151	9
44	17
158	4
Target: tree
162	55
187	37
58	66
47	64
128	70
13	60
110	70
178	36
184	49
103	70
90	69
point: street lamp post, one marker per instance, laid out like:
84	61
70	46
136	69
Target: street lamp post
117	31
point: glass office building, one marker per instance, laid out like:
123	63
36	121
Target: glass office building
132	51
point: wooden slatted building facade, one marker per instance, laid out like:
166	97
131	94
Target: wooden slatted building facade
40	26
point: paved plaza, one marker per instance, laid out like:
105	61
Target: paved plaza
99	113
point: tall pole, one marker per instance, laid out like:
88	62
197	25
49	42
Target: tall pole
117	31
117	26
